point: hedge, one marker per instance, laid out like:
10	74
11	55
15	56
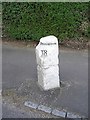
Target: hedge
33	20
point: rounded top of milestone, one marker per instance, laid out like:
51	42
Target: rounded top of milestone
48	40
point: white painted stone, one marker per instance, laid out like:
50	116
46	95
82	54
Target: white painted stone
44	108
50	44
48	77
31	104
47	62
71	115
59	113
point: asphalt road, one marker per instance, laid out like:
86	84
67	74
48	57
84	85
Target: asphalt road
19	64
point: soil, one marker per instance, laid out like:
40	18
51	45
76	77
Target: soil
67	44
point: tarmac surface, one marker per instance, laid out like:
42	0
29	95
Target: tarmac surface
19	76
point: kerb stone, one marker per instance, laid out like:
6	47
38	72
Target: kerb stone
31	104
72	115
44	108
59	113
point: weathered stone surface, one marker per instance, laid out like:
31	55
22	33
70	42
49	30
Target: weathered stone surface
71	115
44	108
47	62
49	77
50	54
59	113
31	104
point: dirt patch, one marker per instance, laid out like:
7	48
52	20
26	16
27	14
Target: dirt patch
11	99
78	45
19	43
10	95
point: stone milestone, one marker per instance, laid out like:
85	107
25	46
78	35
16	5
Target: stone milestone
47	63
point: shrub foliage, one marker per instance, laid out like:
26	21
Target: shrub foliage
33	20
